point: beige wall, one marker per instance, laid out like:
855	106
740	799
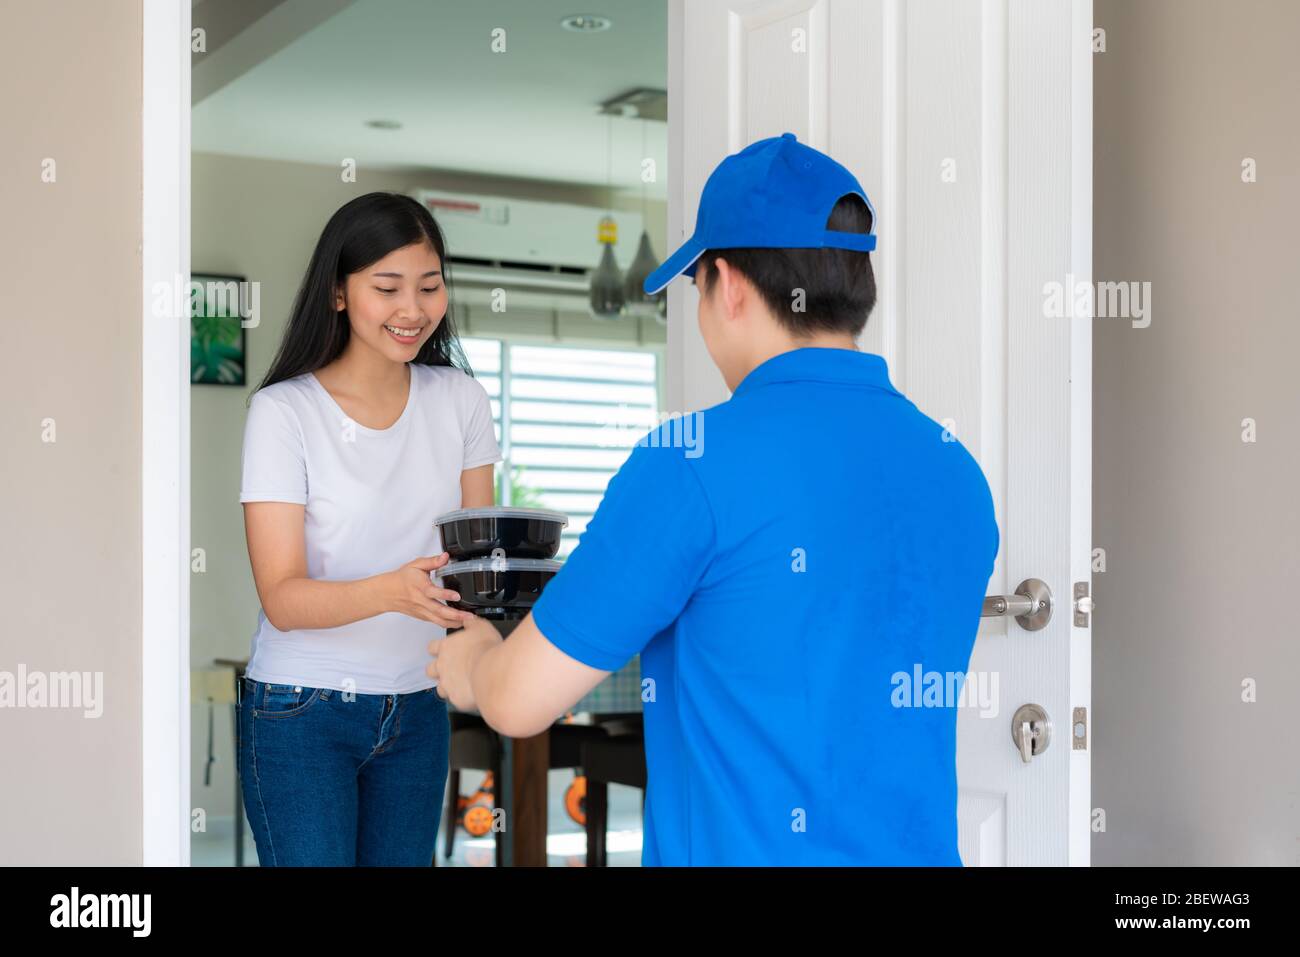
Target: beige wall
70	347
260	219
1200	529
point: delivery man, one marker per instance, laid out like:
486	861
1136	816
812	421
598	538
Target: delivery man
777	564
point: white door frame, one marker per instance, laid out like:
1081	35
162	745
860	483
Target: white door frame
165	429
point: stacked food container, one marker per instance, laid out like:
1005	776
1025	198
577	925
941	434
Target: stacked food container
501	558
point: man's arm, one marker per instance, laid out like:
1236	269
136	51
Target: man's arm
519	686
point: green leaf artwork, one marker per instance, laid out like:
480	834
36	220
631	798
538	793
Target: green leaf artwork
217	338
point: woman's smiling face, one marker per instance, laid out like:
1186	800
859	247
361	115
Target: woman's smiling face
395	304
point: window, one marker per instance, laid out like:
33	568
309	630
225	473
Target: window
566	419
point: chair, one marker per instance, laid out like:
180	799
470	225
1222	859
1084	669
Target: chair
476	746
618	758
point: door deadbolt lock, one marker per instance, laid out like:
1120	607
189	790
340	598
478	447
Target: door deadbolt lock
1031	730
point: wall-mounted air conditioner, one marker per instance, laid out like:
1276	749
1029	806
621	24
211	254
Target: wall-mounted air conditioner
539	252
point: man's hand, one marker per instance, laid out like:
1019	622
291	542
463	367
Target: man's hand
454	658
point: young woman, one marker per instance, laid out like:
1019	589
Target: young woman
362	433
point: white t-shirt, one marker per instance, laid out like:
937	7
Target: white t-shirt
371	496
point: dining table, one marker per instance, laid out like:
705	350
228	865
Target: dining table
525	763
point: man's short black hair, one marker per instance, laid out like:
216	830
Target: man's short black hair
837	285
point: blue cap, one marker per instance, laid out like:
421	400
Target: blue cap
776	193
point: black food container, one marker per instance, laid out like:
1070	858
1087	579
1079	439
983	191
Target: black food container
498	588
518	532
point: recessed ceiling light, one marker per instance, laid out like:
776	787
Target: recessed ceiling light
384	124
586	23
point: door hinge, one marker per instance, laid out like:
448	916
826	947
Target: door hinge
1079	730
1083	605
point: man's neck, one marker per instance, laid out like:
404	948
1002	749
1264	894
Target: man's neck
785	343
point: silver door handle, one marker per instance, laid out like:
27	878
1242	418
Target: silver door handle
1031	605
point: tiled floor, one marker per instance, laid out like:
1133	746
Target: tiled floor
566	843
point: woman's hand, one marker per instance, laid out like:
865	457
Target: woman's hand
411	591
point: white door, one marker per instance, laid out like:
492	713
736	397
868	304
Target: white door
969	124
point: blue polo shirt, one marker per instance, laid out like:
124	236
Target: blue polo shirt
793	565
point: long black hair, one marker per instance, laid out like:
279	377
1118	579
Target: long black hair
363	231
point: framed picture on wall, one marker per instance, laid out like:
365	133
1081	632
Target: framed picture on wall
218	339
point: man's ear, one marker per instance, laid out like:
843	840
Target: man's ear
729	287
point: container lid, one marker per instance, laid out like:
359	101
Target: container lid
502	511
500	565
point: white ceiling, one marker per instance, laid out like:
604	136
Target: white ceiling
530	112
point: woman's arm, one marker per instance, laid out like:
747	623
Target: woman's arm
291	600
477	487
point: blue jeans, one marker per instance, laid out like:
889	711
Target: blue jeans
337	782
